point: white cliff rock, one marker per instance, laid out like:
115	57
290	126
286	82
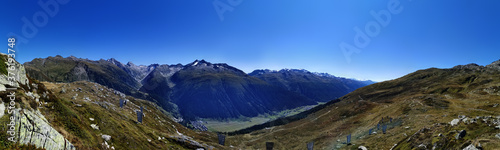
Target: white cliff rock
34	129
19	72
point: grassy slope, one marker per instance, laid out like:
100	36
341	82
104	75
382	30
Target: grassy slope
73	122
232	125
3	65
120	123
417	100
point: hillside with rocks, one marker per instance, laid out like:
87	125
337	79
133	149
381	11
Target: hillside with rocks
453	108
33	129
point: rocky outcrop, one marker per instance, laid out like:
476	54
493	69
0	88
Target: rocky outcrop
471	66
79	72
494	65
19	72
33	128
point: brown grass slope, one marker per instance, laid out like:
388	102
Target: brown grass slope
426	100
72	118
157	131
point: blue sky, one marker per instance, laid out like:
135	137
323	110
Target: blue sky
260	34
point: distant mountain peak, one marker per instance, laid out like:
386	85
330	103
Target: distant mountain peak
295	70
111	59
200	62
324	74
197	62
114	61
73	57
130	64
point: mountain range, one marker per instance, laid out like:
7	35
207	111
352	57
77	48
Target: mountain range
453	108
200	89
85	115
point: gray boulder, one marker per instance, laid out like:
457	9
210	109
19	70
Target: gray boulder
454	122
470	147
106	137
362	148
460	134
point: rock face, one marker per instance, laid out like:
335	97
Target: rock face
494	65
137	72
33	129
19	71
471	66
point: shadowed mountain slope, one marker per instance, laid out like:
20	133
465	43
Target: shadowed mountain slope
199	89
219	90
320	87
